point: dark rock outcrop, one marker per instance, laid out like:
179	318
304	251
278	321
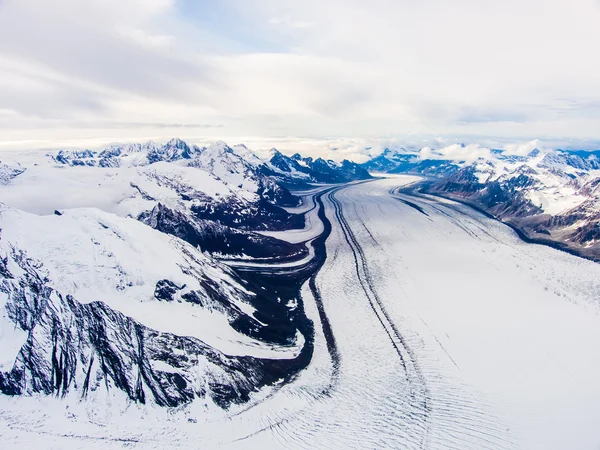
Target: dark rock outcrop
93	351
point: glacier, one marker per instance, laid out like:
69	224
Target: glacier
406	320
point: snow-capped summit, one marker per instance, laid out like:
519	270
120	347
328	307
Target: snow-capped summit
127	155
314	170
247	154
98	308
547	194
109	283
220	160
237	164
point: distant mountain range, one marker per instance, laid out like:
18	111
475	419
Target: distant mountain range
118	271
254	190
550	196
113	282
296	167
218	159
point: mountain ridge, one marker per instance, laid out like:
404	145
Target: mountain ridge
548	195
114	274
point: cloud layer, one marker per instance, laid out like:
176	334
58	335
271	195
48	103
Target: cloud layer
326	70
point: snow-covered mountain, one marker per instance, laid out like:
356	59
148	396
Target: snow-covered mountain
135	154
7	172
99	307
202	199
219	160
549	195
112	281
110	286
233	164
404	161
153	284
318	170
255	188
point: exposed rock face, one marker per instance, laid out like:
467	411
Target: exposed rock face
64	347
514	196
502	198
400	161
213	237
549	195
298	168
261	215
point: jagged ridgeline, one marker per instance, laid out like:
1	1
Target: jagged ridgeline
113	280
88	350
548	196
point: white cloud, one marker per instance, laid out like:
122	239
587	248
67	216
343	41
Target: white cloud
521	149
456	152
288	22
145	39
321	68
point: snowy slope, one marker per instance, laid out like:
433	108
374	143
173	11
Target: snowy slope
206	201
8	172
106	310
447	331
548	194
126	155
298	168
238	168
428	325
123	191
105	286
155	279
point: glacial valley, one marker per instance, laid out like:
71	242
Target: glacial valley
157	295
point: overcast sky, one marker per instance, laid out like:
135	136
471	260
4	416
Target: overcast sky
341	72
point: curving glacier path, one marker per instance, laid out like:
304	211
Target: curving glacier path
436	328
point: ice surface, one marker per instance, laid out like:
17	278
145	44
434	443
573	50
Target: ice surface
449	332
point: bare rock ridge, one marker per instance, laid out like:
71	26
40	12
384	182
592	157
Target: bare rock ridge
114	283
549	196
91	351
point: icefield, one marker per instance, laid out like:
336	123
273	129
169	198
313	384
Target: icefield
436	327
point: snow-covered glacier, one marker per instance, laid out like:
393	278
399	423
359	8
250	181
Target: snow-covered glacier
551	196
391	318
